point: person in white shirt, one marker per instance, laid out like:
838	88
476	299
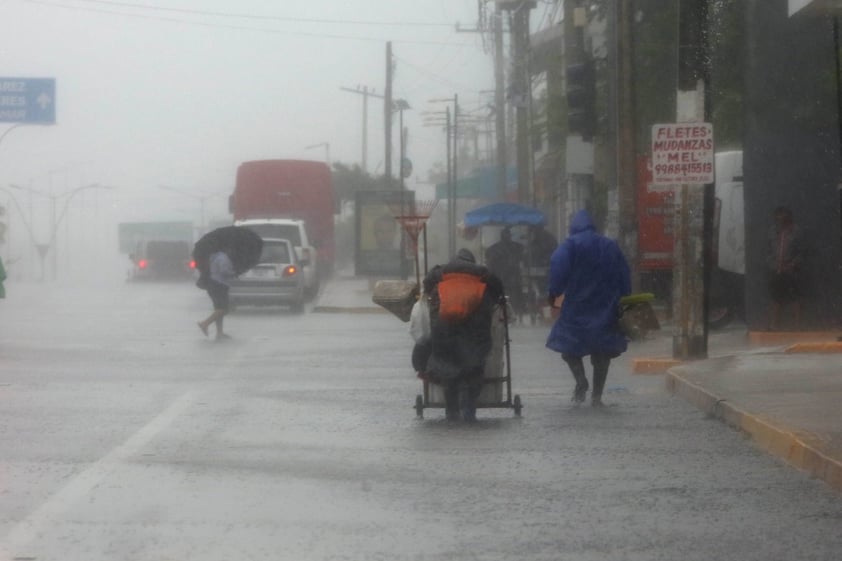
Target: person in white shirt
221	273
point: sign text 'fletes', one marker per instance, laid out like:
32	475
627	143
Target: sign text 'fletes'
28	100
682	154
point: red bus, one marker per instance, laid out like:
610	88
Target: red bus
297	189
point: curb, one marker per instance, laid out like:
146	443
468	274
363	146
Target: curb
653	365
824	348
768	338
795	449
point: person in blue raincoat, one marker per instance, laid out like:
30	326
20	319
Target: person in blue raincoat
591	272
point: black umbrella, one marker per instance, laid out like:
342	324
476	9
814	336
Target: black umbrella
242	245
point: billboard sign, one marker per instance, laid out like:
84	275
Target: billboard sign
682	154
655	212
28	100
382	246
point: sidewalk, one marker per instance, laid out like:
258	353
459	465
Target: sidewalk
789	403
346	294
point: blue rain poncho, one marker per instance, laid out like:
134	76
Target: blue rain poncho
592	273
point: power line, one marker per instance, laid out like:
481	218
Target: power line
194	23
189	11
436	77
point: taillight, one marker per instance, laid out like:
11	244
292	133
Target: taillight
290	270
192	264
142	263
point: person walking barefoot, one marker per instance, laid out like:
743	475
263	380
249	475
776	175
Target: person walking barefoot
221	273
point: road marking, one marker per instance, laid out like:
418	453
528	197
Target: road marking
36	523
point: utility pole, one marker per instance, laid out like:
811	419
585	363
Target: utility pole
455	171
626	138
694	203
451	193
366	93
387	113
522	92
500	104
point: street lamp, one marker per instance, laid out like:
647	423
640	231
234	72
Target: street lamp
327	150
57	221
34	246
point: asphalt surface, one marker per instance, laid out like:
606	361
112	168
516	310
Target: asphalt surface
125	434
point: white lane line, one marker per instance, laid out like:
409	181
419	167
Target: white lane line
35	524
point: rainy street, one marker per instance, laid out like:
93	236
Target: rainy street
125	434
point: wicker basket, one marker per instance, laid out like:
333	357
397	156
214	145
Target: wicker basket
397	296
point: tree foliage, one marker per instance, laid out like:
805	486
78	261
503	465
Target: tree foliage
350	179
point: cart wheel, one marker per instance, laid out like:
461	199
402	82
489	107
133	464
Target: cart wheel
419	406
518	406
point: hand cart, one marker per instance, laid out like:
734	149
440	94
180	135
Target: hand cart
497	381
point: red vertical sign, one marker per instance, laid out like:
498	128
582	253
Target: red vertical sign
655	211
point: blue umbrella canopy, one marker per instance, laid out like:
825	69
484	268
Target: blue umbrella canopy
504	214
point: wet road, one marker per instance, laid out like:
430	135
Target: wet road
124	434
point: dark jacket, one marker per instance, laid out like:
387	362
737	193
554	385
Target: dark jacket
459	350
592	273
785	250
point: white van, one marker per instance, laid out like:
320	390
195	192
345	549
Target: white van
296	232
731	246
728	279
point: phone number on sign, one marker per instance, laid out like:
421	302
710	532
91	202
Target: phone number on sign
683	169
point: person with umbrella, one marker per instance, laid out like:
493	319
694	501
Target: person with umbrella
221	273
222	255
504	259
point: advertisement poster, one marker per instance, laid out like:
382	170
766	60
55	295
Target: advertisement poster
655	208
682	154
381	240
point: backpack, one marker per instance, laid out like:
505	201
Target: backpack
460	294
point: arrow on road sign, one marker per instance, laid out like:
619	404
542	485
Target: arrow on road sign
44	100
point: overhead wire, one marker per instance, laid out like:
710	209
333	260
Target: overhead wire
170	19
191	11
434	76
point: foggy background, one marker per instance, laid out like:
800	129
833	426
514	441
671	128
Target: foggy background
152	94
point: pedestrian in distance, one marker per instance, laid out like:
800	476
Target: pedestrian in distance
218	283
590	271
542	244
784	261
504	259
462	298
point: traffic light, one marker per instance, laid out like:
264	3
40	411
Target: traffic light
581	99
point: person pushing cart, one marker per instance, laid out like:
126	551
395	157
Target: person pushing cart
462	298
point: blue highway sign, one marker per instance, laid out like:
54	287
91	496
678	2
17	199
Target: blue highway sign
28	100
